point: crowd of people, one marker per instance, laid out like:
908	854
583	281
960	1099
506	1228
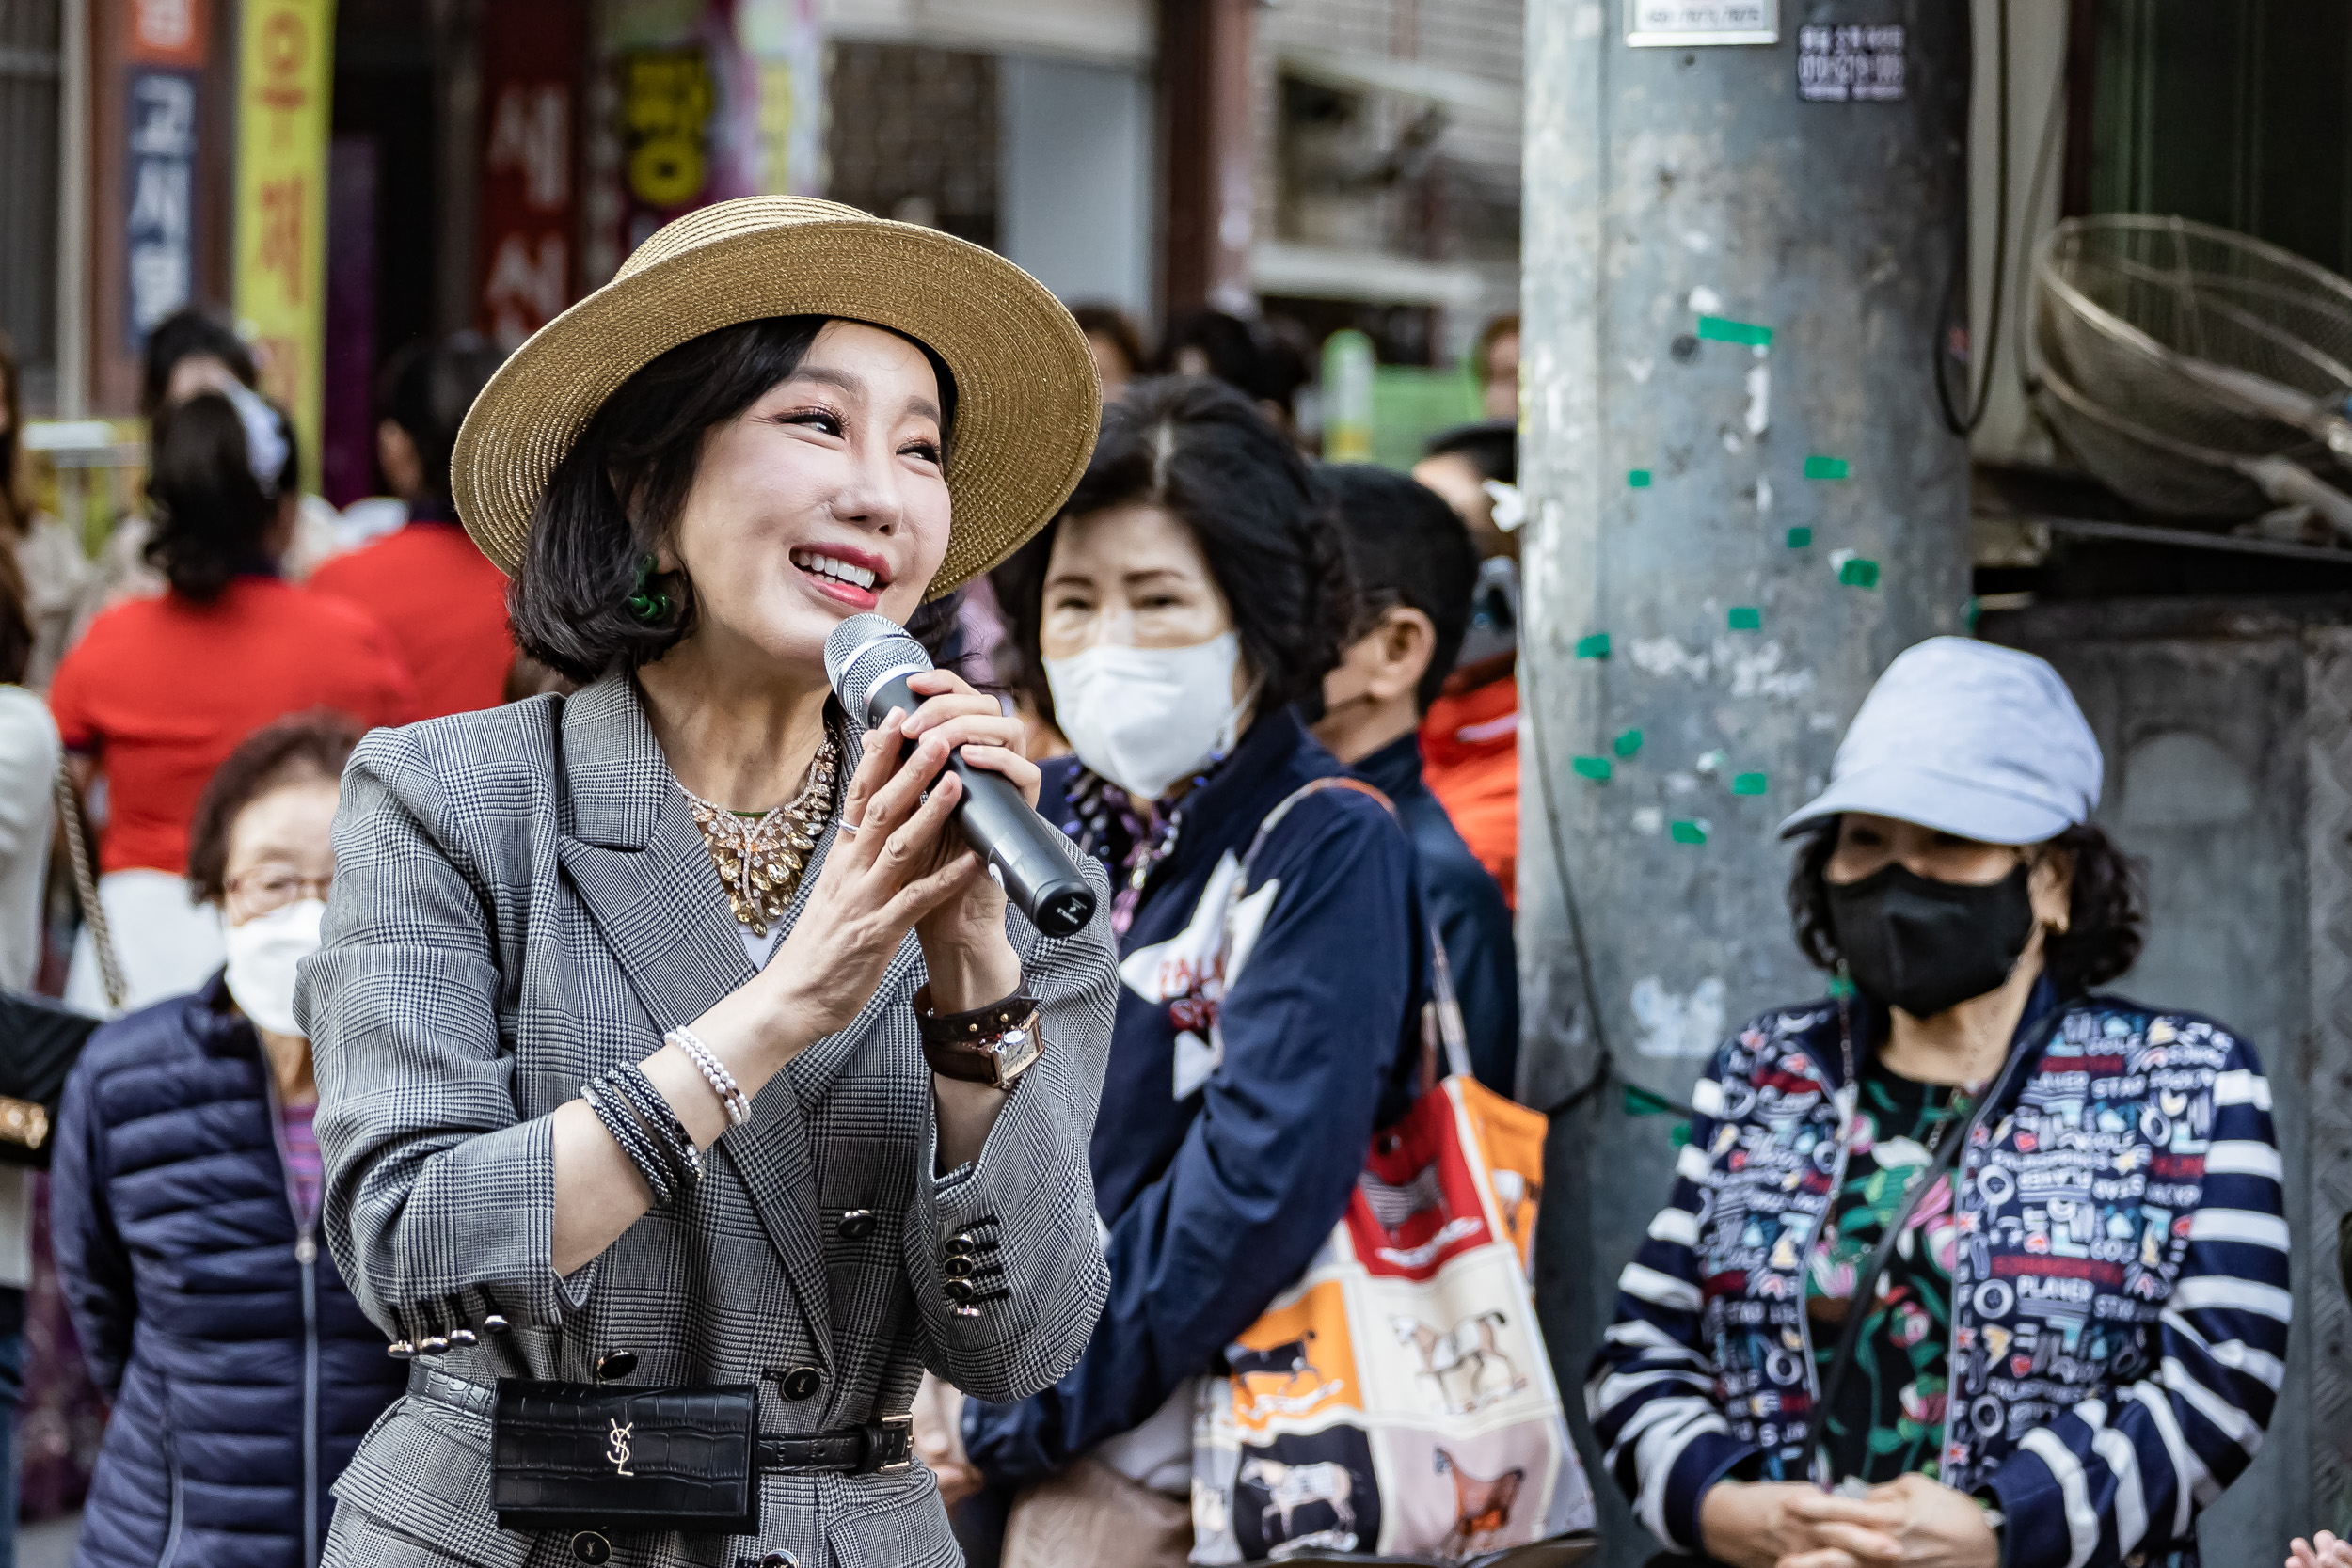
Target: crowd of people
1968	1263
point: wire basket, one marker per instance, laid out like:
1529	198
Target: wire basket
2195	333
2192	483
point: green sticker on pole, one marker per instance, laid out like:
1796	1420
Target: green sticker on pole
1858	573
1627	744
1818	467
1595	646
1800	537
1746	618
1687	832
1638	1101
1638	477
1749	783
1722	329
1595	768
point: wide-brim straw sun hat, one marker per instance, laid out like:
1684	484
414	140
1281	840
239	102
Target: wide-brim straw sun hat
1027	399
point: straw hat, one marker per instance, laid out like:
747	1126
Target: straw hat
1027	401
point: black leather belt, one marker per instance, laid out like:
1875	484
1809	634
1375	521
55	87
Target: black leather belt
877	1448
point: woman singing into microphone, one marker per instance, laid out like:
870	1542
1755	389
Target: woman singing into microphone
681	1090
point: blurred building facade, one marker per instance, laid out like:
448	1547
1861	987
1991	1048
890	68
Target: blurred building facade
412	166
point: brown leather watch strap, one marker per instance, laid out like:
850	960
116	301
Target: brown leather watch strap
992	1045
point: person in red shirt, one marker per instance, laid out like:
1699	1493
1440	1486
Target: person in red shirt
440	598
1469	743
163	689
1469	737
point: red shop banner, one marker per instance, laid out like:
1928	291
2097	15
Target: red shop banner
533	55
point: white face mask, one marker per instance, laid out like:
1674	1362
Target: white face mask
263	953
1145	718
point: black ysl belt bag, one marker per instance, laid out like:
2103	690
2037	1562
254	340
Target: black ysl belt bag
577	1456
587	1458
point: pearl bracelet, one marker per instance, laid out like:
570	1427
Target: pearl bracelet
714	1072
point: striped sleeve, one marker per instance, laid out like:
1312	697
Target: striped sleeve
1651	1389
2127	1474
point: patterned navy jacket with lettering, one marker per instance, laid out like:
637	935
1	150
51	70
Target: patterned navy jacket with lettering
2119	1280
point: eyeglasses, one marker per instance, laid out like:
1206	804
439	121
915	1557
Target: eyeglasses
270	886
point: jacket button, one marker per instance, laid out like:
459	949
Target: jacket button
961	1246
959	1265
779	1560
802	1383
616	1363
855	1225
588	1547
961	1291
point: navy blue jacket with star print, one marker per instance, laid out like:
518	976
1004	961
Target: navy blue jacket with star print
2120	1297
1240	1101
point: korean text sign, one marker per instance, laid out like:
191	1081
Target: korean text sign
285	49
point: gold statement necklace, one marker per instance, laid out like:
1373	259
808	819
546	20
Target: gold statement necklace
760	857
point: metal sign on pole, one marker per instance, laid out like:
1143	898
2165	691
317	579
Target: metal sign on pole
1685	23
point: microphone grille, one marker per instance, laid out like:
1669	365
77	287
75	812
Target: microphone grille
862	652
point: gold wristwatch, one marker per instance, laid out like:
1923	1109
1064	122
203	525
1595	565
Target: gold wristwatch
992	1045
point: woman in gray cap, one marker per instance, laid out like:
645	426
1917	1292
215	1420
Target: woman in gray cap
1968	1263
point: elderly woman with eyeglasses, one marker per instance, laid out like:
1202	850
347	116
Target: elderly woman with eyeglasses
185	1207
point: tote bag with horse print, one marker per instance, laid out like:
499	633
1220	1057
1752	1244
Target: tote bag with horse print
1397	1401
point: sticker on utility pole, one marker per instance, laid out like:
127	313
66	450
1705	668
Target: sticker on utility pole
1849	64
1680	23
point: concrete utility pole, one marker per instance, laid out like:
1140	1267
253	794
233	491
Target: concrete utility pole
1743	502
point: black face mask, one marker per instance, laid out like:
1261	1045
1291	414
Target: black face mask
1926	946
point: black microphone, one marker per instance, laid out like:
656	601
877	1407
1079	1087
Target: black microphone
868	658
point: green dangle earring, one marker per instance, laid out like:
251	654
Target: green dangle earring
649	607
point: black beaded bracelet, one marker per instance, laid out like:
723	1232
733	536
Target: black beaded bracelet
662	1120
631	1135
614	1087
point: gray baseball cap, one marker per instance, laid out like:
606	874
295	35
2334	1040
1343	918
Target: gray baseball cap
1967	738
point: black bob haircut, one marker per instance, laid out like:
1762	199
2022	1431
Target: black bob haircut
426	390
569	600
1202	451
1492	447
212	515
1405	546
189	331
2107	910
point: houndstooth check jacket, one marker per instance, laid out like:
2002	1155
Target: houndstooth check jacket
522	901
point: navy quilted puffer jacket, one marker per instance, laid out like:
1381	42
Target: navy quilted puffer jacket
243	1373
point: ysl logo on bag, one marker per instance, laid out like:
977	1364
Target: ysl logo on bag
619	1448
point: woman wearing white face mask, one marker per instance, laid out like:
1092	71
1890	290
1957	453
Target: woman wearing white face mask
185	1201
1190	592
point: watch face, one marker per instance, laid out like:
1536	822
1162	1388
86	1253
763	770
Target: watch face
1016	1051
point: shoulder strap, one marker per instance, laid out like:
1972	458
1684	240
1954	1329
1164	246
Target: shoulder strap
1282	809
86	888
1443	1035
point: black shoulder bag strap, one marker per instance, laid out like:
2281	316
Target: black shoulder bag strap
1867	1282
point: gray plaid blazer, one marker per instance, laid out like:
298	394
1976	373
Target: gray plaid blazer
522	901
